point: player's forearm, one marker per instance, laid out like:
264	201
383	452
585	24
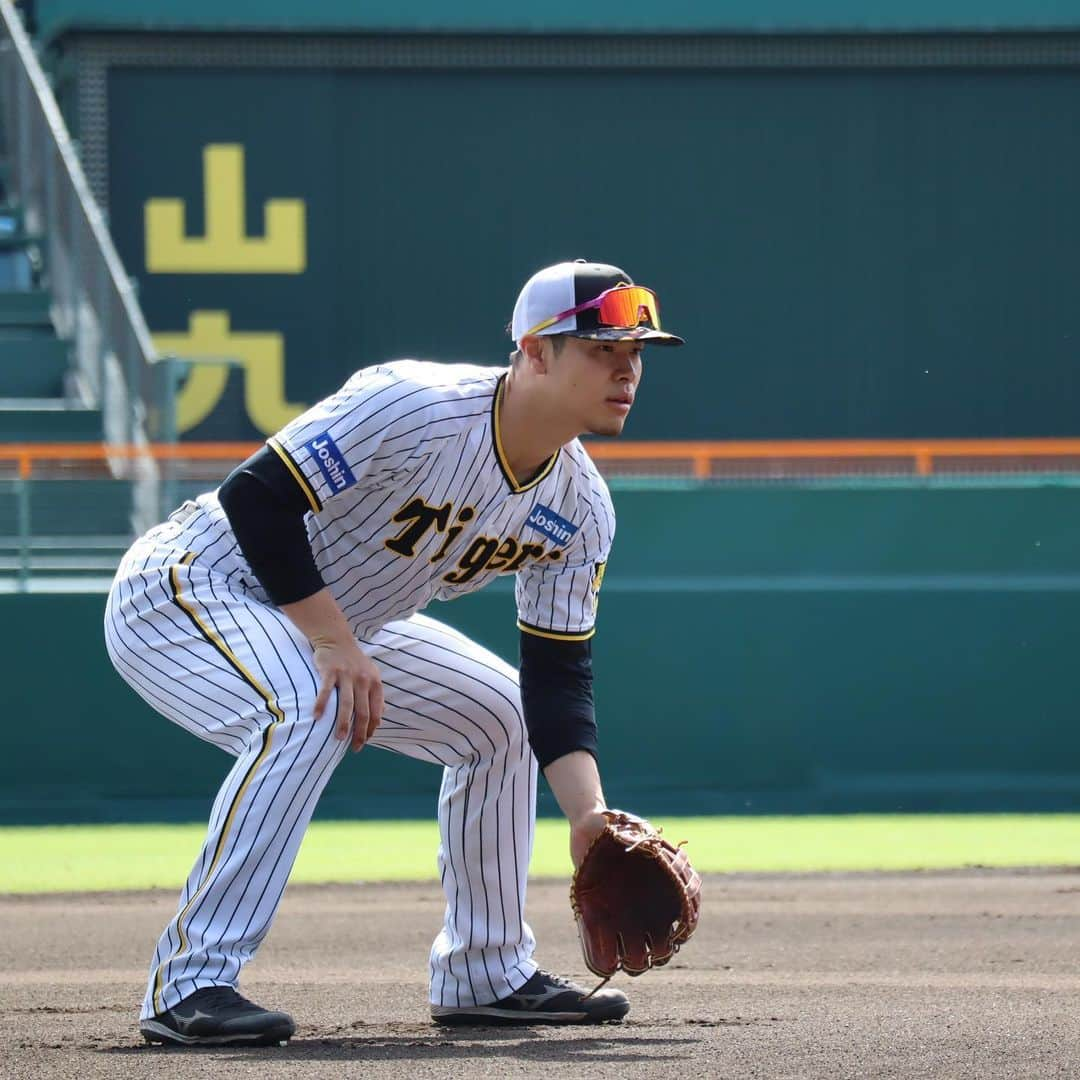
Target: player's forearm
319	619
575	782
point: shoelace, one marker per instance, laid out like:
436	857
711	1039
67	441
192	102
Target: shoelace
223	996
566	984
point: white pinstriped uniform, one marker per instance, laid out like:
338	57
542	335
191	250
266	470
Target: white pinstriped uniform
411	500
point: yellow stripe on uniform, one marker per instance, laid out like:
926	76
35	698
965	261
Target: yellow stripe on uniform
500	454
298	476
555	635
207	632
268	737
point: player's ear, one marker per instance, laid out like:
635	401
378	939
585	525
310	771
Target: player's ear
532	349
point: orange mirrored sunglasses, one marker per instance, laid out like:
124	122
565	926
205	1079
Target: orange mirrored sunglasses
625	307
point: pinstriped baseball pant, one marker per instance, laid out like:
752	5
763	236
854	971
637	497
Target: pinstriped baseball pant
238	674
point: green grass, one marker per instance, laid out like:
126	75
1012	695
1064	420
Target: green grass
92	857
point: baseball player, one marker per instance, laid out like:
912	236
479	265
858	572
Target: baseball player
279	618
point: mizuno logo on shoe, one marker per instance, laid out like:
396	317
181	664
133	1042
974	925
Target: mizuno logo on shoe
184	1022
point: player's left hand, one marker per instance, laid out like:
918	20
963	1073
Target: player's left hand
635	896
583	832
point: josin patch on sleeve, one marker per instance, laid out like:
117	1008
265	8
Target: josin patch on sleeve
331	462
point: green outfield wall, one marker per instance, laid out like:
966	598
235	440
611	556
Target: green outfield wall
858	238
558	16
759	650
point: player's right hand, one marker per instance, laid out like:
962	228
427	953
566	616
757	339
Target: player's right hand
345	666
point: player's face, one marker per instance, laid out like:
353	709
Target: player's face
597	382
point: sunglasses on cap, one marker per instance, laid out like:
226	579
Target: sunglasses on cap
623	307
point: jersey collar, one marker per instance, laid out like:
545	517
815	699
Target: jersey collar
500	457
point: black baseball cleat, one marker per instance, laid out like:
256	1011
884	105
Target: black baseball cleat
544	999
218	1016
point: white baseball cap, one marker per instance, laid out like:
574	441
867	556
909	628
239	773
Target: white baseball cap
588	300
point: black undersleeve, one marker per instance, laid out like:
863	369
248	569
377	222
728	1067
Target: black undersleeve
266	508
557	695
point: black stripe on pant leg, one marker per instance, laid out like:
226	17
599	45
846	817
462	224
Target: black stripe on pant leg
256	792
458	691
301	787
434	642
188	609
476	757
150	649
216	914
146	685
236	827
296	789
159	982
267	740
316	790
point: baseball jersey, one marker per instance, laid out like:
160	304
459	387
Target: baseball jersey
412	501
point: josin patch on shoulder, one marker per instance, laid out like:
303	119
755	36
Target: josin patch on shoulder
331	462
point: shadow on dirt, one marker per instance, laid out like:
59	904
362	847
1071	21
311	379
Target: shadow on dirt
521	1044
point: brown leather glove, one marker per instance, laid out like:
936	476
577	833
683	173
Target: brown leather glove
635	896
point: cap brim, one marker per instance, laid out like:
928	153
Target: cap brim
640	333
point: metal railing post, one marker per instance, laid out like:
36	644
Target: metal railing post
22	503
172	368
91	292
22	134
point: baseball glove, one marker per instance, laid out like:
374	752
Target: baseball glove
635	896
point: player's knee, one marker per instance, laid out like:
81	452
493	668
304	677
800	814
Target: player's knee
508	720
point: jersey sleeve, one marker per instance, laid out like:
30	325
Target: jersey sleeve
559	599
367	432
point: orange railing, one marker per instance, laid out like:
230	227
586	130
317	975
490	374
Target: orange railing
922	456
26	455
703	460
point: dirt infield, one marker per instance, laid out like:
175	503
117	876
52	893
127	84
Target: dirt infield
966	974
